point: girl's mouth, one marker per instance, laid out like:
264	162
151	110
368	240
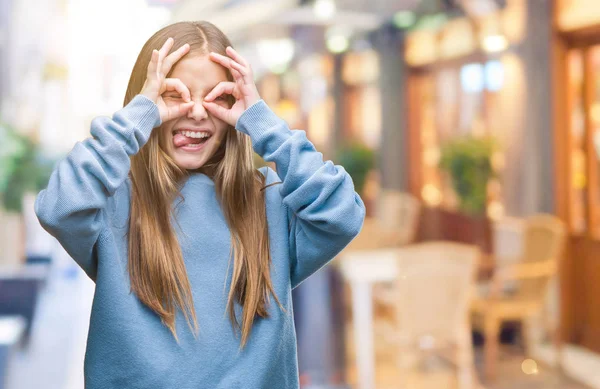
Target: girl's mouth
188	140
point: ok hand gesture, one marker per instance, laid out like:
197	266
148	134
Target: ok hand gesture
156	82
242	89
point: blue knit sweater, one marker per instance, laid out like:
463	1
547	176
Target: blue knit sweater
86	207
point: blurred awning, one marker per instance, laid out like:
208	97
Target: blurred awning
273	33
239	18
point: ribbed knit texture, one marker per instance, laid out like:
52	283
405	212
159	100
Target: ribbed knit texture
312	216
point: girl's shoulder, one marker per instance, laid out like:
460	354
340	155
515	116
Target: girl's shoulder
273	197
271	176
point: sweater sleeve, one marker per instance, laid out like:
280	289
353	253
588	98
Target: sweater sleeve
73	206
325	211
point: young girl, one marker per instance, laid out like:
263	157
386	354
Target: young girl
194	252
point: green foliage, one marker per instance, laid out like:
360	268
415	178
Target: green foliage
358	160
468	162
22	168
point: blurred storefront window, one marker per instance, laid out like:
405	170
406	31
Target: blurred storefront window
578	171
456	100
594	132
584	124
302	96
466	79
360	74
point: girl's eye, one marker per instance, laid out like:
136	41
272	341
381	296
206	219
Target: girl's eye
220	98
171	96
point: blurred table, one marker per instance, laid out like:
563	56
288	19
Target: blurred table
361	269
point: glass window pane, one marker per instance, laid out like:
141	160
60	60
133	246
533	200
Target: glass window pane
594	163
578	173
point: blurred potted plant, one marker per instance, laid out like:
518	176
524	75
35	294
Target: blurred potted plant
467	160
23	170
358	160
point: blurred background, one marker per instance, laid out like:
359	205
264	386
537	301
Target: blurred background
471	129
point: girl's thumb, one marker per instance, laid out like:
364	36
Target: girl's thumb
216	110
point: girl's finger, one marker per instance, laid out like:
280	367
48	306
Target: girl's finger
218	111
166	47
232	66
225	87
175	84
183	108
221	59
162	53
236	74
227	62
237	57
174	57
245	72
178	110
152	66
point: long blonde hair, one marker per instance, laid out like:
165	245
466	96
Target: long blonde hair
156	266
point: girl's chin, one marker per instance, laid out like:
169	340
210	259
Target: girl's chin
190	165
189	162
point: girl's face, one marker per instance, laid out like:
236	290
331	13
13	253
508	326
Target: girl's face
192	139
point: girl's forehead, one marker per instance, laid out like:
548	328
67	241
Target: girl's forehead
198	71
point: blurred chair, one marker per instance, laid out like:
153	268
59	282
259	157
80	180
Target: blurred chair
399	211
528	278
395	223
20	281
11	331
434	286
19	293
507	235
373	236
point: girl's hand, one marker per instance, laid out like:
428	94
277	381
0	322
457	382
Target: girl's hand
156	82
243	89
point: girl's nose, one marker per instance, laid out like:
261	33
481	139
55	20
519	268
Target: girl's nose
197	112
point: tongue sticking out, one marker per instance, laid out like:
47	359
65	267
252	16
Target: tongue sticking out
180	140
